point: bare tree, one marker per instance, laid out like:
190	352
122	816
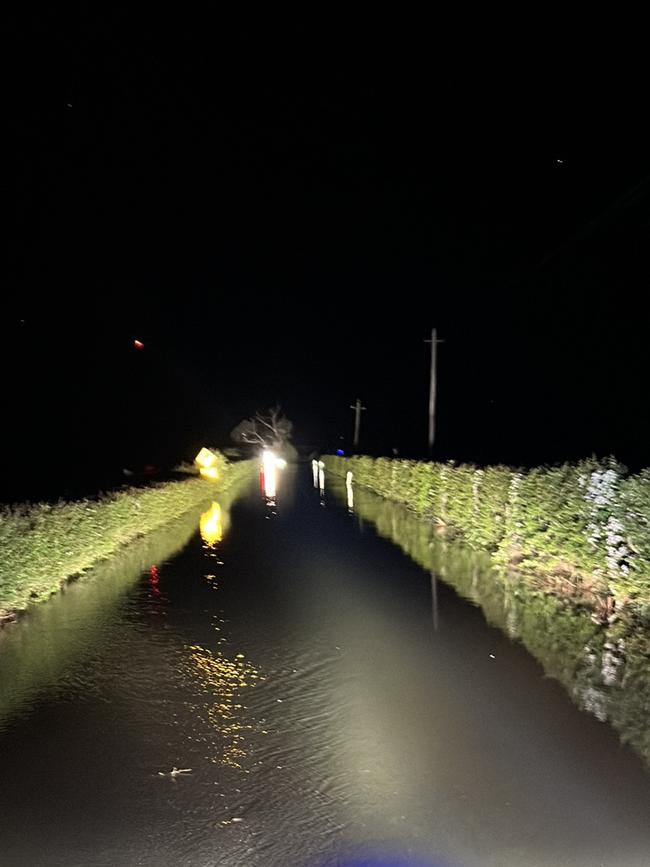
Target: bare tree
269	430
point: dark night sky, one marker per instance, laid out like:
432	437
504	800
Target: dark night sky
287	224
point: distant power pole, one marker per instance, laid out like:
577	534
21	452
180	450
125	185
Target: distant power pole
432	386
357	421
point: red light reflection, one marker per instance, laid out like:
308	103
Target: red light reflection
154	581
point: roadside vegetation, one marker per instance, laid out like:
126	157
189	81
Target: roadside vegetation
44	545
72	622
579	529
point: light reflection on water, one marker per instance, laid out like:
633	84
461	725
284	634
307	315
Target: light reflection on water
44	649
335	706
605	669
211	525
222	679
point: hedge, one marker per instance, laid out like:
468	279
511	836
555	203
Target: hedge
586	523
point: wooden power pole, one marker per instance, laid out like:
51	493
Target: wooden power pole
357	421
432	386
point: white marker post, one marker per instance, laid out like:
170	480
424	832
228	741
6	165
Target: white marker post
350	492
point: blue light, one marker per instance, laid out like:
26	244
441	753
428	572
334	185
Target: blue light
340	452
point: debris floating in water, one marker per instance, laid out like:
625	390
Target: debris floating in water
175	772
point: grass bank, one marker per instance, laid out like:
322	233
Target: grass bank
44	545
76	621
580	529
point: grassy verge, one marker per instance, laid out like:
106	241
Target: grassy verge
579	529
77	621
44	545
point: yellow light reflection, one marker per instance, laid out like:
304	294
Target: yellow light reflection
209	473
211	525
223	679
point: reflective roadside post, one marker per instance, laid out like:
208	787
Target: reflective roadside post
349	491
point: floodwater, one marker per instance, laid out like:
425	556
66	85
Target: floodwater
327	699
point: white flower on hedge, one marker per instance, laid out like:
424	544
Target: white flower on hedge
602	488
605	531
617	550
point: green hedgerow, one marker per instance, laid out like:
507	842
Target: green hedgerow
587	522
42	545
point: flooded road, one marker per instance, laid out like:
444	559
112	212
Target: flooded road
292	689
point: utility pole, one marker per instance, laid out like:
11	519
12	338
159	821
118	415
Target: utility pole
357	421
432	386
